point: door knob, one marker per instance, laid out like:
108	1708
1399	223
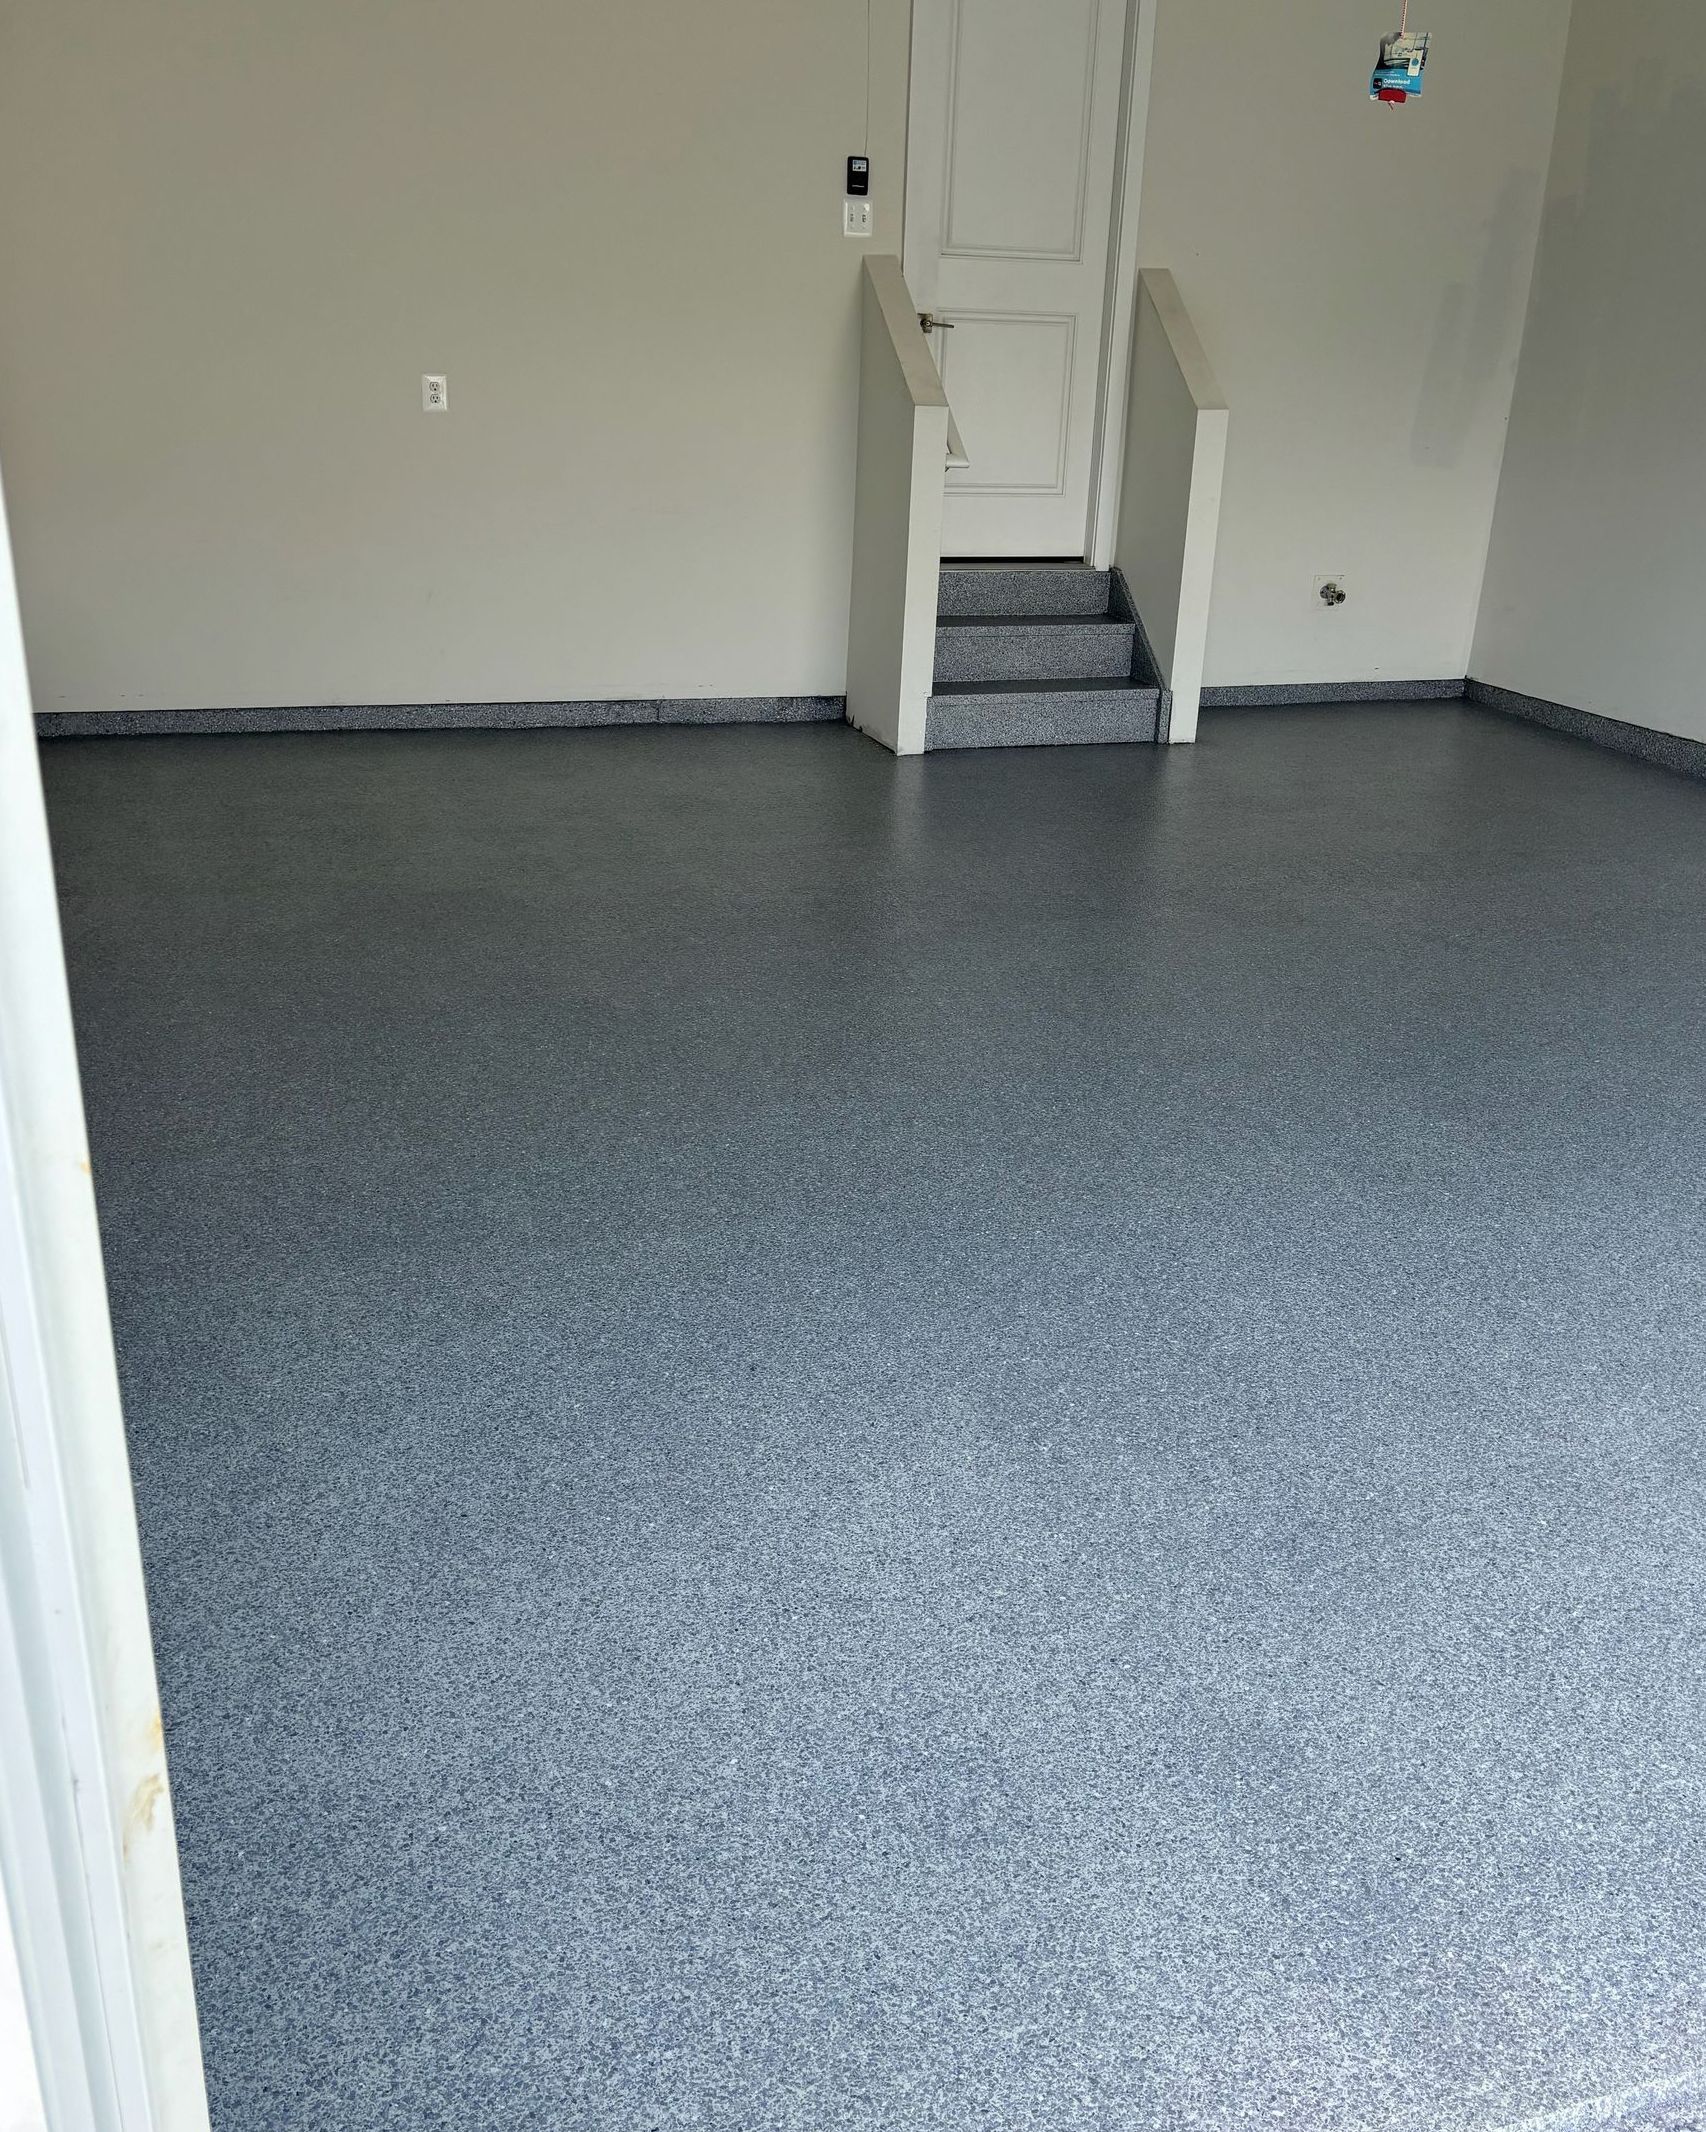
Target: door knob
930	323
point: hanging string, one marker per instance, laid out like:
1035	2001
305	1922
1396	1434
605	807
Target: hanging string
1404	19
867	140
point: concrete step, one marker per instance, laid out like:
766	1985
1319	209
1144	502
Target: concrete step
1050	647
1034	714
1023	589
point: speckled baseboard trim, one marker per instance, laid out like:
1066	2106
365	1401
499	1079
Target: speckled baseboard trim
436	717
1669	751
1145	666
1253	695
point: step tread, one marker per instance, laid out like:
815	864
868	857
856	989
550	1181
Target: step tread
1033	621
1089	685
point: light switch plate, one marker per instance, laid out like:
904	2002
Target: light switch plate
856	218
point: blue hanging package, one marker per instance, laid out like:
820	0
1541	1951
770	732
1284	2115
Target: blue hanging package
1398	70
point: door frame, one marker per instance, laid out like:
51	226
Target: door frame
87	1845
1120	301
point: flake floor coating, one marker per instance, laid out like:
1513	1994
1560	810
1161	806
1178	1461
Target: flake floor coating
1010	1443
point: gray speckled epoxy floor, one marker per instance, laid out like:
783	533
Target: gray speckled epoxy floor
1010	1443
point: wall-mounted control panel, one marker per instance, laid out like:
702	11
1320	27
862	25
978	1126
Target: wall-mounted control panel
856	208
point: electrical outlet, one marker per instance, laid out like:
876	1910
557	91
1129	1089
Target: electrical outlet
1327	591
435	395
856	218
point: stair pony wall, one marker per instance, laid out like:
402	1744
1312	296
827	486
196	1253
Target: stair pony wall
1169	521
897	515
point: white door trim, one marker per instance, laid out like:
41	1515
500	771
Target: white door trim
86	1838
1111	393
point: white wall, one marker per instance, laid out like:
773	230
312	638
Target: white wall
1595	580
87	1846
1358	277
20	2091
897	522
233	234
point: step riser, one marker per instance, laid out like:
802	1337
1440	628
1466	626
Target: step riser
1061	718
1033	588
1052	651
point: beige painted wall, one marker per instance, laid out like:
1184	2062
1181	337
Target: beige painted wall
1594	582
1358	277
234	233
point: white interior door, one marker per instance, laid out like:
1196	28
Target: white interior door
1009	198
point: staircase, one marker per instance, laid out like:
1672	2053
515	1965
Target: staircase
1035	655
